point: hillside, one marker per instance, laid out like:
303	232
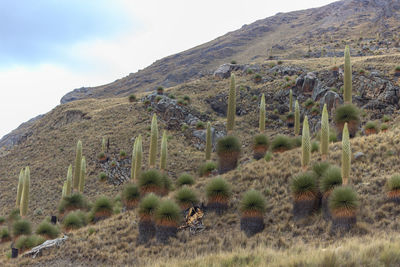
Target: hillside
283	36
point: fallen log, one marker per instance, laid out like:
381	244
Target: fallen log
37	251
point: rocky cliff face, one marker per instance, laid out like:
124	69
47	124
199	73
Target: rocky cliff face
288	35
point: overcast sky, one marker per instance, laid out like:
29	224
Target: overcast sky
49	47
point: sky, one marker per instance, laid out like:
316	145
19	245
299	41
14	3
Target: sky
50	47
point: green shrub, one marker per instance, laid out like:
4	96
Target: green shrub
103	176
101	155
371	125
132	98
384	127
47	230
347	113
252	201
2	220
148	205
207	168
290	116
280	62
28	242
184	127
332	137
343	197
315	110
296	141
261	140
4	234
187	98
158	98
200	125
250	71
218	188
185	179
228	144
319	168
22	227
150	180
309	103
113	164
281	142
180	102
186	197
75	220
74	202
171	96
166	183
330	179
257	77
103	205
130	192
122	154
314	146
397	68
233	62
268	156
304	183
386	118
168	211
14	215
394	183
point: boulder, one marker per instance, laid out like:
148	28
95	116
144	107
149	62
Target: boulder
319	91
310	81
215	135
331	99
224	71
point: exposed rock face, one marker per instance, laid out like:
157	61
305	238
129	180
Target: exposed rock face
332	101
224	71
76	94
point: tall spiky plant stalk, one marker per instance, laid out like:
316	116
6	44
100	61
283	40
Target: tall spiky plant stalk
138	158
262	114
324	133
78	161
103	145
68	189
231	106
153	142
64	190
305	145
133	161
25	193
347	76
20	187
290	101
164	151
83	175
296	118
208	142
346	155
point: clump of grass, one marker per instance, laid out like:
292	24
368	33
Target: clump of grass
331	178
200	125
268	156
304	184
397	68
371	125
332	137
343	198
148	205
296	141
132	98
187	98
122	154
4	235
101	156
47	230
74	202
2	220
393	183
314	146
75	220
281	143
384	127
252	202
102	208
260	140
386	118
130	195
228	144
315	110
22	227
319	168
14	215
166	184
186	197
185	179
168	213
27	242
150	181
346	113
206	168
309	103
103	176
218	190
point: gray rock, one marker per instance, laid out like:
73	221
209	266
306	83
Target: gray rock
224	71
358	155
332	101
76	94
319	91
215	135
310	81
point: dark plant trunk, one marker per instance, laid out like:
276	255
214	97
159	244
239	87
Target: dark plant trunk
54	219
352	127
290	124
14	253
147	231
326	214
259	152
304	208
163	233
252	225
343	223
227	162
217	207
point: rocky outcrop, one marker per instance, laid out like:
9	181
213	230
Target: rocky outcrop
76	94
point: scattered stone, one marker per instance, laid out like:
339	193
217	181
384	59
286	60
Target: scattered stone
359	155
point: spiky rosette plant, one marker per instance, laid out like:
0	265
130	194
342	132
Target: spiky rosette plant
296	118
150	182
130	196
228	150
262	114
305	145
164	152
290	101
78	162
281	143
75	201
75	220
260	146
218	193
343	205
185	179
319	168
19	188
207	168
47	230
166	184
393	186
102	209
305	194
82	177
346	155
147	208
252	208
138	158
230	125
324	133
349	114
4	235
167	218
208	142
21	227
25	192
330	179
347	93
186	198
371	127
133	160
153	142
